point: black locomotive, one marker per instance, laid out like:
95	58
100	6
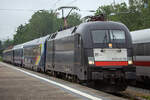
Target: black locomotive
95	51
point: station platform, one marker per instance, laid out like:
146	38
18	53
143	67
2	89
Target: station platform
21	84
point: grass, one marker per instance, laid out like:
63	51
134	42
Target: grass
146	97
0	58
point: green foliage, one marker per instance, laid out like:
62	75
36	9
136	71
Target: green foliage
7	43
74	19
42	23
1	58
135	16
107	10
146	97
1	48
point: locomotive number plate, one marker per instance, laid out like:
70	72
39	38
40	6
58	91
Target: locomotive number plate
110	54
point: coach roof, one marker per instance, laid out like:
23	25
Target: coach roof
19	46
141	36
37	41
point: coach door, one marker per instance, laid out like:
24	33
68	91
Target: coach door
78	52
77	49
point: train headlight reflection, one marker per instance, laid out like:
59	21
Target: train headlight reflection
91	60
130	62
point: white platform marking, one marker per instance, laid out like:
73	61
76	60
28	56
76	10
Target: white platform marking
56	83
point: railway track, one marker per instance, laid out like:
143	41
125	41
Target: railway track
140	90
136	93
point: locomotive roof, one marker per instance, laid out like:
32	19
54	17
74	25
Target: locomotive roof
83	27
102	25
37	41
64	33
141	36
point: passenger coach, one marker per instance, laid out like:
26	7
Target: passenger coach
141	45
34	54
18	54
8	55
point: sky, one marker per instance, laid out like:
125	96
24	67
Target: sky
16	12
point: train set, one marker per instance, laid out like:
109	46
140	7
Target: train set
92	51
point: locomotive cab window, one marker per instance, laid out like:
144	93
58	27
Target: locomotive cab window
100	36
117	36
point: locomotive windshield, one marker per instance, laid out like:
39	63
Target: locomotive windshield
105	36
117	36
100	36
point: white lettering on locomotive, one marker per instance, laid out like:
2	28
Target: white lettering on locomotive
110	54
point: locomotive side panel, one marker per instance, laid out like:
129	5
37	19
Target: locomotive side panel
49	55
80	68
64	55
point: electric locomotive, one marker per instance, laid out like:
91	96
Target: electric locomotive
93	51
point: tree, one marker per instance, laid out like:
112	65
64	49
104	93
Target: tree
42	23
135	16
74	19
7	43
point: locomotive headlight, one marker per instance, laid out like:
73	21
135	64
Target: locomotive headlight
91	60
110	45
130	62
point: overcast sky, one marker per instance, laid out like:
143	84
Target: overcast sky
16	12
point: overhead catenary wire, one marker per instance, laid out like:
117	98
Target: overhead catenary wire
70	3
10	9
54	5
1	9
31	10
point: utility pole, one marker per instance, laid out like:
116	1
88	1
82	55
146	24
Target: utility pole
63	16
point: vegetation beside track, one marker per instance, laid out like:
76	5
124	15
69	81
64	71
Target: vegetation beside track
136	94
0	58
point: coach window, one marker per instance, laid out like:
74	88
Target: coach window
147	49
140	49
38	52
134	49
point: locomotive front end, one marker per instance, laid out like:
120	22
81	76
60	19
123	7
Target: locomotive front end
109	55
